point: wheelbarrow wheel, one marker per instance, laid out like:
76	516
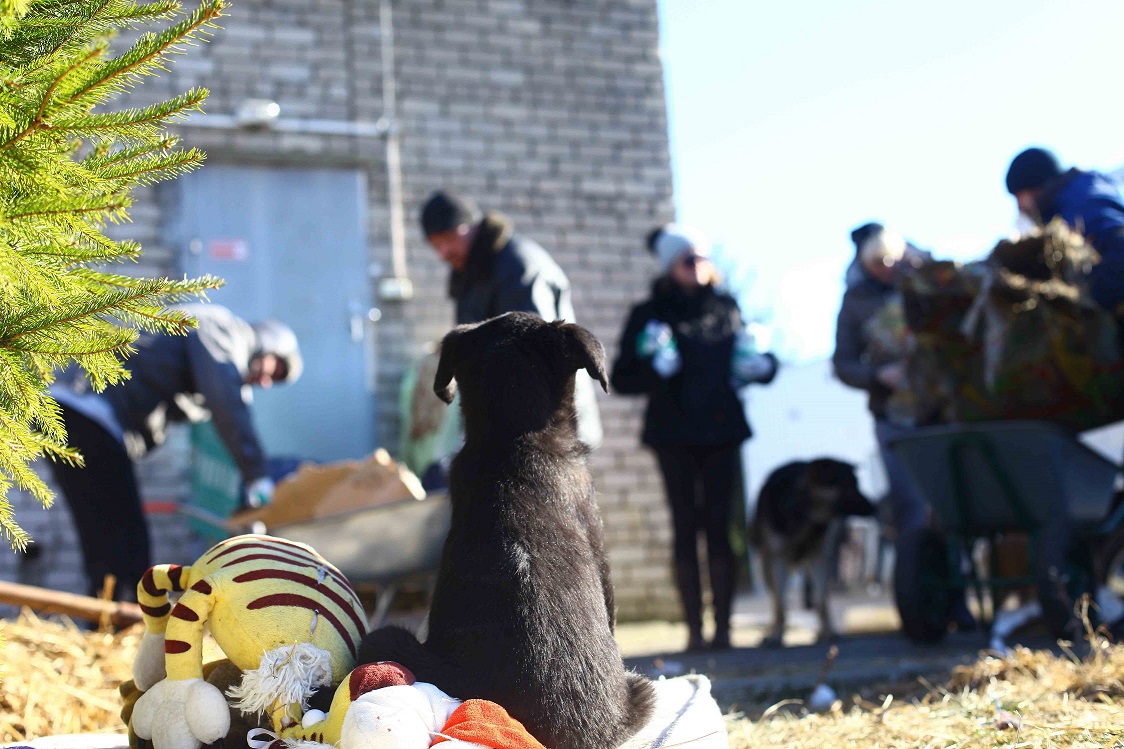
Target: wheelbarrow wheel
923	584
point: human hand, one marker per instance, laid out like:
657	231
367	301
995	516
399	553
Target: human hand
653	337
260	492
891	375
667	361
658	342
754	368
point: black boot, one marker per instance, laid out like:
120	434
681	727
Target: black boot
722	592
690	594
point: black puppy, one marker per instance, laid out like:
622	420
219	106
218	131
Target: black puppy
523	610
799	519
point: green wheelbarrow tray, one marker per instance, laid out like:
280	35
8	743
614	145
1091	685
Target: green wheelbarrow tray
990	477
981	480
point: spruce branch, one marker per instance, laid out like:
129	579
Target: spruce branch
148	55
67	167
132	126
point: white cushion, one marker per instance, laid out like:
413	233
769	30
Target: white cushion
685	716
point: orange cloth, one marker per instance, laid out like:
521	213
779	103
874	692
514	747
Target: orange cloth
486	723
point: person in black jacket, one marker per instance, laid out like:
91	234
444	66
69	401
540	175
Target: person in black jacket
204	374
687	350
493	270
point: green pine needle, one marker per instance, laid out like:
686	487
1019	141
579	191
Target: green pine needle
66	172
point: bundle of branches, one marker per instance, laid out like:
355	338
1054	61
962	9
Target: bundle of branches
1054	253
1015	337
67	165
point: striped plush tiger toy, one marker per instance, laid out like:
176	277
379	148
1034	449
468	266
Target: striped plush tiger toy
280	612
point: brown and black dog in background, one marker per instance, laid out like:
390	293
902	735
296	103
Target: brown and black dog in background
799	519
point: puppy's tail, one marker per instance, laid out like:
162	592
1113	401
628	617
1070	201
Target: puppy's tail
641	701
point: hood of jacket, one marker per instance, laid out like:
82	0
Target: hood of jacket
493	233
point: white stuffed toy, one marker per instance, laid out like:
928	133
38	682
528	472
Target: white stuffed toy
380	706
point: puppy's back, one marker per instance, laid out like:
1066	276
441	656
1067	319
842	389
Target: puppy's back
522	599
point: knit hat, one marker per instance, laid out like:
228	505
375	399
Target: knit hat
865	232
444	211
277	338
882	248
670	241
1032	169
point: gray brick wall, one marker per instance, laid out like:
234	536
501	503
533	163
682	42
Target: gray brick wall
552	112
56	560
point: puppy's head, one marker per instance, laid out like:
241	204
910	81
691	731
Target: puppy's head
833	491
517	364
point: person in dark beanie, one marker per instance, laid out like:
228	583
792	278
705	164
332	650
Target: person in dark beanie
1089	202
686	349
493	270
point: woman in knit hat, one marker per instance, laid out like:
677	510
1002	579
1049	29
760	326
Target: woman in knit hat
864	360
870	355
686	350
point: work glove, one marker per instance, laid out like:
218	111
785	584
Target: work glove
260	492
658	342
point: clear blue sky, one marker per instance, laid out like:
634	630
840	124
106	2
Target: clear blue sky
792	123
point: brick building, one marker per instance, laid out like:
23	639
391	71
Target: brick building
552	112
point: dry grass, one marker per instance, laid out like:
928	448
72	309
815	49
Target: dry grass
59	679
1026	699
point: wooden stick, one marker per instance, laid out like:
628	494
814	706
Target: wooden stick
49	601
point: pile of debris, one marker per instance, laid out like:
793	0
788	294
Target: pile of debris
319	491
1015	336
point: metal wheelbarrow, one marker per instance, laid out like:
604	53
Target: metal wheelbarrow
385	545
984	479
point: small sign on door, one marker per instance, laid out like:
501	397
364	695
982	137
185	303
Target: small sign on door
236	250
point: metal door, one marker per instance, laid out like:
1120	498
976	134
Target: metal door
291	245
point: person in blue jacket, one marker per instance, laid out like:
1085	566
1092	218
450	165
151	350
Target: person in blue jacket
1089	202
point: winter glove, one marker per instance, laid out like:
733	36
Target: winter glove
260	492
759	368
748	365
658	342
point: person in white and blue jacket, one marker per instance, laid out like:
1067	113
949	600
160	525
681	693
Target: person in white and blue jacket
204	374
685	349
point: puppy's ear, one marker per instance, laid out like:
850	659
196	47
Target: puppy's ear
586	352
452	347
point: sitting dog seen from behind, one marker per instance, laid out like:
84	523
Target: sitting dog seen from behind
523	611
799	521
